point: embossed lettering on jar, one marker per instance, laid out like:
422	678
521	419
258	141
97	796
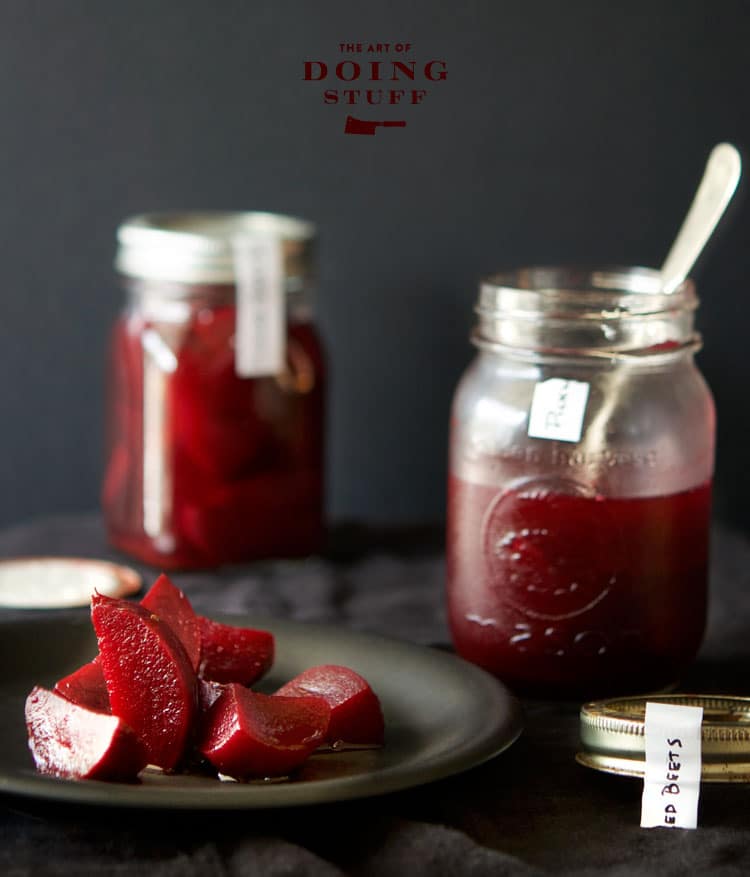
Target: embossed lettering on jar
581	459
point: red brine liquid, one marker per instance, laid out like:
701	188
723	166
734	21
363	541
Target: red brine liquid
239	461
559	592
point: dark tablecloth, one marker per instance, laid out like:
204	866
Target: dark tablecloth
530	810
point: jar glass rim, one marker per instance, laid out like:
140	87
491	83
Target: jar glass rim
600	311
582	292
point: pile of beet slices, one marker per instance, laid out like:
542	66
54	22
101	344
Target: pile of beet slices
169	688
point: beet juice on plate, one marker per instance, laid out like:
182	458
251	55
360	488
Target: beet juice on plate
216	392
581	458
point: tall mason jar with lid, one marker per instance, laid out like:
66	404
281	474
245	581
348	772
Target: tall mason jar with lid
581	461
215	410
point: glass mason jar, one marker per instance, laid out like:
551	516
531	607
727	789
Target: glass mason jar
581	460
205	464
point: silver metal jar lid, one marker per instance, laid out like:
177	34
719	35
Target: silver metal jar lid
196	247
613	741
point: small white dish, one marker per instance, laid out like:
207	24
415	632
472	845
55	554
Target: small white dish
62	582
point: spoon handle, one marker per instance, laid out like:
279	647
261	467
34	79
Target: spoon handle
714	193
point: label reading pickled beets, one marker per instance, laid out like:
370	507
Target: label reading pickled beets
671	784
260	336
557	410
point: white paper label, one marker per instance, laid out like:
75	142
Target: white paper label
557	409
671	784
260	336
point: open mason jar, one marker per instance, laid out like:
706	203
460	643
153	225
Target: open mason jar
216	392
581	460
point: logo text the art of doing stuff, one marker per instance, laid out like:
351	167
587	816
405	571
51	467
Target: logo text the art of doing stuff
374	79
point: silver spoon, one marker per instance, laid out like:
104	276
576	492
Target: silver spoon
714	193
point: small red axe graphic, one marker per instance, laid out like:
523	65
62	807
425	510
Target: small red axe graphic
364	126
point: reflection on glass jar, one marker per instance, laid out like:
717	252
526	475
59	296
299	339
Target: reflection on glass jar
206	465
582	445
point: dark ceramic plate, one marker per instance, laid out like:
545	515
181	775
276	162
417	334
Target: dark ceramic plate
442	716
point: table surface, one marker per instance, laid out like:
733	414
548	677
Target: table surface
530	810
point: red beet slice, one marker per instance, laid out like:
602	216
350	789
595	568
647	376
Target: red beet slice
268	514
150	680
69	741
253	735
172	606
218	423
86	687
356	716
234	654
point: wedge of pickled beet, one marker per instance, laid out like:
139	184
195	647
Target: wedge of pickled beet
234	654
270	514
86	687
150	680
356	715
67	740
249	735
171	605
218	424
232	519
223	440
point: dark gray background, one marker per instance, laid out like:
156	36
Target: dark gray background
571	131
